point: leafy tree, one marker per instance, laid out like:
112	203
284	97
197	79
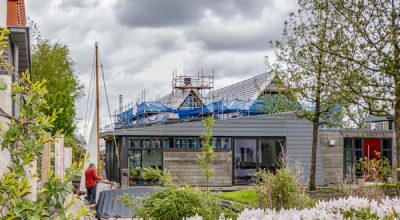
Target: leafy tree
66	118
207	152
24	140
366	39
52	62
305	71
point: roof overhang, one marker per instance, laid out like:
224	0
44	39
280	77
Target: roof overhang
20	37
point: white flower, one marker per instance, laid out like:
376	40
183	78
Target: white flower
333	209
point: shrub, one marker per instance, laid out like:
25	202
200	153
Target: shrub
151	174
375	169
280	190
177	203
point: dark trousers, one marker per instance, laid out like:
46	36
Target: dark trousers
91	194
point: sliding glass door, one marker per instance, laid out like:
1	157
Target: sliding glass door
245	163
251	154
270	152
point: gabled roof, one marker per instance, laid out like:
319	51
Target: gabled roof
193	94
178	98
244	90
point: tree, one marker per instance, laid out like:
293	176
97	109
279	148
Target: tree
305	70
24	140
207	152
52	62
366	39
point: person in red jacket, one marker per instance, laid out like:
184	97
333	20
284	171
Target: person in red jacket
91	180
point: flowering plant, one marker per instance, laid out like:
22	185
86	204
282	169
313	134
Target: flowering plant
342	208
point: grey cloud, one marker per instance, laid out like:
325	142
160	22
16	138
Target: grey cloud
228	64
242	34
247	39
155	13
142	41
78	3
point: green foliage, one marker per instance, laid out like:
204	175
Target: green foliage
177	203
66	119
364	37
24	140
280	190
375	169
244	196
306	72
52	62
152	174
207	152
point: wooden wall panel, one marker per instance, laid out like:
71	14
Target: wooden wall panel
184	168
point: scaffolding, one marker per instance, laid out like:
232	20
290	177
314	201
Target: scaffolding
192	98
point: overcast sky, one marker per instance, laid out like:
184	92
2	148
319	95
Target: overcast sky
142	41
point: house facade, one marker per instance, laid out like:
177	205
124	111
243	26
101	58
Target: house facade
15	57
166	134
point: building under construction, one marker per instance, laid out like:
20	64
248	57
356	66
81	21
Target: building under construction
165	133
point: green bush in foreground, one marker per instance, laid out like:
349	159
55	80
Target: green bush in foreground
151	174
177	203
280	190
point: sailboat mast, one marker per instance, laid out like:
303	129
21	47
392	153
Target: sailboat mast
97	111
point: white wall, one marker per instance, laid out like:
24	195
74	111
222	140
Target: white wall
5	104
3	13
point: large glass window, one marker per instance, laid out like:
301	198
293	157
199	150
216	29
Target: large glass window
387	149
140	159
348	158
270	150
135	166
152	158
245	160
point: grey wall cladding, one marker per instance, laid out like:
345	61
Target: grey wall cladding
298	135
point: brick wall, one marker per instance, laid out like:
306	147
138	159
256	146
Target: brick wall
16	13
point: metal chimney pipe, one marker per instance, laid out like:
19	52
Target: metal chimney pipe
120	103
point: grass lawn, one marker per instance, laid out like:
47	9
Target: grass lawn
244	196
